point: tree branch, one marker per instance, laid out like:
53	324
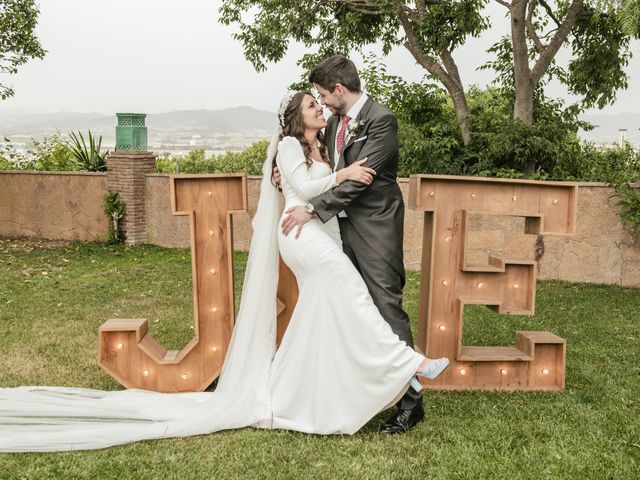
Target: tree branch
421	6
449	77
546	35
452	68
413	45
368	7
550	12
377	7
504	4
547	55
531	31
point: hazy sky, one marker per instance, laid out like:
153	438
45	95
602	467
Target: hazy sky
153	56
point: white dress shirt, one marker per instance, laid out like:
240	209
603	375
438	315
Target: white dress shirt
352	114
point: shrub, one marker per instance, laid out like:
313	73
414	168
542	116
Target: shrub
50	154
248	161
88	157
114	209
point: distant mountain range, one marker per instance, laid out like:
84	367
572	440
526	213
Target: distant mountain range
229	120
242	120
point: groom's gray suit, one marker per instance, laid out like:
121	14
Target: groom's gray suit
372	232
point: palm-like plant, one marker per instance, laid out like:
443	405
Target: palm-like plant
89	157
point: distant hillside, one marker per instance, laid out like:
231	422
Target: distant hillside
244	120
219	121
229	120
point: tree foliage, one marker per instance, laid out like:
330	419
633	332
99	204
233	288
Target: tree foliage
627	11
18	42
431	143
431	30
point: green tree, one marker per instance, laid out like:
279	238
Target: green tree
500	146
627	11
18	42
432	30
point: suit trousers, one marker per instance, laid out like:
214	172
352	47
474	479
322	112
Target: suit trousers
385	286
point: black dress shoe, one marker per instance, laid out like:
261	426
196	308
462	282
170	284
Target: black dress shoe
403	420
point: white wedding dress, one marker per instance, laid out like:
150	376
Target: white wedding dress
338	364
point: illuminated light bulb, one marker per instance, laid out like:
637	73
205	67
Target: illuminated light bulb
146	373
442	328
445	282
431	194
545	371
462	371
184	376
210	194
479	284
214	349
503	371
214	309
473	195
447	238
211	233
213	271
555	201
515	285
514	198
120	346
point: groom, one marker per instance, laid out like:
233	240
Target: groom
371	217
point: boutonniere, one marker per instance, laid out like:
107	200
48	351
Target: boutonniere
354	128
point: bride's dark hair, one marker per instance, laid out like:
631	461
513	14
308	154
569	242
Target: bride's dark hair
293	126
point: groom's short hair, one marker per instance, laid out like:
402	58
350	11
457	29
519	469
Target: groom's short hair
336	69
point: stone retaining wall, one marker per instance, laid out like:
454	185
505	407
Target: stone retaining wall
56	205
68	206
601	251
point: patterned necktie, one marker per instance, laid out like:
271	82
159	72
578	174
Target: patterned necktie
340	139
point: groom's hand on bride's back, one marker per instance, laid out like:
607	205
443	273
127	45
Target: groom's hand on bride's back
296	217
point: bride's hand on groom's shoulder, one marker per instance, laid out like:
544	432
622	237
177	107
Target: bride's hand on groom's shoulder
356	172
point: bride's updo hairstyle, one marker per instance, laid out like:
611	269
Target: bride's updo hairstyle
293	126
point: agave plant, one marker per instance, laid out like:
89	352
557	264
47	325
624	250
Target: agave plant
88	157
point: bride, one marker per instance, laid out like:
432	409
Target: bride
338	364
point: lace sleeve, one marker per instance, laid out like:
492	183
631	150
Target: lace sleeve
295	171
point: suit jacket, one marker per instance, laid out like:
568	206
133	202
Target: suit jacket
377	210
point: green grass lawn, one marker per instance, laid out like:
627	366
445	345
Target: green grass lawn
54	296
